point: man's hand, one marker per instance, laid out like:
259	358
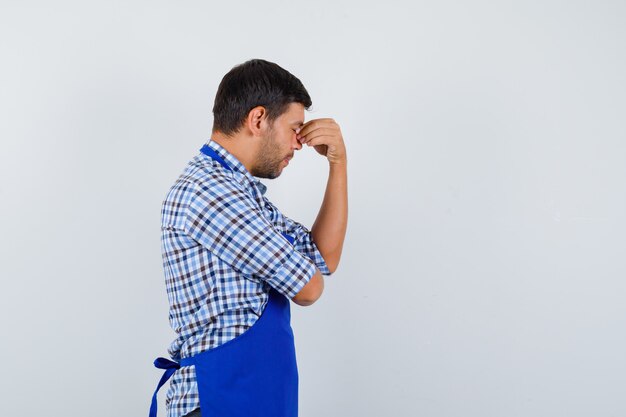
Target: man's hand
325	136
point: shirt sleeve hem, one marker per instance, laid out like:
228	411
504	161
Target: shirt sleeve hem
293	275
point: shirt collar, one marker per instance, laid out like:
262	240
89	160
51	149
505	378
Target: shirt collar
235	164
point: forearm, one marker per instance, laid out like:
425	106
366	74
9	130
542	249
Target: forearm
329	229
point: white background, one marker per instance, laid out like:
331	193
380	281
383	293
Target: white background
483	270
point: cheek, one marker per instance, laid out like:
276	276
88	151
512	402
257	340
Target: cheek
287	138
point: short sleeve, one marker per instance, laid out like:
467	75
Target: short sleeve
303	242
227	221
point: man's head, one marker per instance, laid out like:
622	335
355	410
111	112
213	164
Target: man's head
264	104
255	83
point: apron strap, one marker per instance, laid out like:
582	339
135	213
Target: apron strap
289	238
170	367
210	152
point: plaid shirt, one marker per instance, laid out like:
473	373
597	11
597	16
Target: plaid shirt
223	249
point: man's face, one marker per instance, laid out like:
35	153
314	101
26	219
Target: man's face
280	143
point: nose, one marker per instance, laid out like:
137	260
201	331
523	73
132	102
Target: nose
298	145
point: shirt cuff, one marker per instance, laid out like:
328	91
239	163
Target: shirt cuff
307	247
293	275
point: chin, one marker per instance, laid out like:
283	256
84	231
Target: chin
268	175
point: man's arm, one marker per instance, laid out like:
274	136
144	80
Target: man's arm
226	220
303	242
329	229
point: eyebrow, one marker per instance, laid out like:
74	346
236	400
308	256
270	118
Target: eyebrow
298	123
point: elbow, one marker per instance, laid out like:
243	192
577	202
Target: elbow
311	292
302	302
305	302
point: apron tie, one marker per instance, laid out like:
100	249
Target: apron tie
170	367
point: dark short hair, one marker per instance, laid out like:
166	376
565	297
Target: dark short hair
255	83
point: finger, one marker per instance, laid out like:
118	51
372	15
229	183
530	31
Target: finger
314	124
303	125
326	132
321	128
317	141
308	127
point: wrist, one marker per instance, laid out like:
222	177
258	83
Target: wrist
341	162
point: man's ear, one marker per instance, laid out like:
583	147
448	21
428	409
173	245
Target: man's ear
257	121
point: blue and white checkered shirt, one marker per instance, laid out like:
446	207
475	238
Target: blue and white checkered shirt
223	249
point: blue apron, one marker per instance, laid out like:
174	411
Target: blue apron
252	375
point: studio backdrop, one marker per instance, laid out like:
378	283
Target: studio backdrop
483	271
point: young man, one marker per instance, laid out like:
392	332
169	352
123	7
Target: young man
233	261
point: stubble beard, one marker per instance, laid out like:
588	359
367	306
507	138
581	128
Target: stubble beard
268	159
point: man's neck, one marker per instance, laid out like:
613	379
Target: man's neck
240	146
